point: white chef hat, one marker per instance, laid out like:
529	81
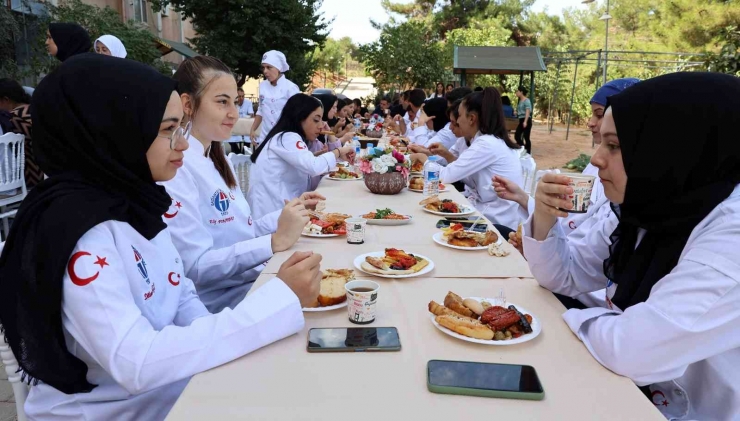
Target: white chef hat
277	60
114	45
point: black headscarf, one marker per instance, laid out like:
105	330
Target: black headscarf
678	137
327	101
70	38
94	120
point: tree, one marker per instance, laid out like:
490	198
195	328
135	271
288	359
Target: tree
9	33
405	56
334	54
728	59
239	32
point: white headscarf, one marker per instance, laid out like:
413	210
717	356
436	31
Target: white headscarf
114	45
277	60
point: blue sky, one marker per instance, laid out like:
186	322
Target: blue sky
353	16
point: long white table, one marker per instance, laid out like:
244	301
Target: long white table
284	382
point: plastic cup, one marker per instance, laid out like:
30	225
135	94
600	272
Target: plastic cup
355	230
582	186
362	297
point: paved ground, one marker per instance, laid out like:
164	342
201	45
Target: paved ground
7	402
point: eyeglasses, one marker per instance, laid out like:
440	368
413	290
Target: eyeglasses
180	135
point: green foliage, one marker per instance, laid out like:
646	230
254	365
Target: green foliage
10	32
405	56
239	32
579	164
334	54
728	59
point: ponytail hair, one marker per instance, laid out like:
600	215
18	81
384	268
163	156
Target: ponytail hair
487	105
193	77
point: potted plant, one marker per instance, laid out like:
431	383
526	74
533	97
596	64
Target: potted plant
385	170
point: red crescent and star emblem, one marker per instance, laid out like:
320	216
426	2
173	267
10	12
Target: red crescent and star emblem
73	275
572	225
172	281
300	145
658	403
169	215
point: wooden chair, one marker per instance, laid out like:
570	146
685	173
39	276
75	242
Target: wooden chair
20	389
12	181
242	164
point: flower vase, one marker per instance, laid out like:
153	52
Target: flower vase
388	183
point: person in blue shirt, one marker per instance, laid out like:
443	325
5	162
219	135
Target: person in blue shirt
508	109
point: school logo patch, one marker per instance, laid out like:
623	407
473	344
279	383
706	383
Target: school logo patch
220	200
141	265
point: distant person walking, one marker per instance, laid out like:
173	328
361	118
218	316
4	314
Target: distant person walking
524	112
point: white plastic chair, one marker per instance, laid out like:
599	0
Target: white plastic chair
242	164
12	180
20	389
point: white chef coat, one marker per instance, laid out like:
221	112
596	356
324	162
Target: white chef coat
130	313
421	136
245	110
684	341
407	120
283	172
272	101
222	245
476	165
445	137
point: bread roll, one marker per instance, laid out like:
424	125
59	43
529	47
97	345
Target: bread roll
473	305
469	328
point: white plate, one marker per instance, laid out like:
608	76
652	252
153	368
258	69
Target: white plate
422	191
466	210
328	308
344	179
389	222
536	328
441	241
305	234
361	258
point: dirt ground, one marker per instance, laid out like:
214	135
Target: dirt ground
551	150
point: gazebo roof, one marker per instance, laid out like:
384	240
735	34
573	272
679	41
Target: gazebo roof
498	60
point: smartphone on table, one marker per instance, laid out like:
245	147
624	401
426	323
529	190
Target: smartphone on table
484	379
353	339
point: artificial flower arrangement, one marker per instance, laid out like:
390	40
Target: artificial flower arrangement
384	161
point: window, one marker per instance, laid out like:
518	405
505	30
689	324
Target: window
140	10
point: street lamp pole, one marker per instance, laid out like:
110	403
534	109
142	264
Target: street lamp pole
606	17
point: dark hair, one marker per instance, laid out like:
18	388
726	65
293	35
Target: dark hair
327	102
458	93
491	120
239	89
386	99
454	109
405	95
191	79
523	90
298	108
13	91
437	107
438	85
396	97
505	100
357	102
478	89
417	97
449	85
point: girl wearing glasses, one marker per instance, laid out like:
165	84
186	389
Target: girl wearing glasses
102	318
223	247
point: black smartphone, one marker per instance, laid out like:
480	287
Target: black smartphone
466	223
353	339
484	379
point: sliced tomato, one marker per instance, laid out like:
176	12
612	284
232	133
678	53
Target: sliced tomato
340	231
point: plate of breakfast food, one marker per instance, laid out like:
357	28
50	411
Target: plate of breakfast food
332	294
386	217
475	319
393	263
457	237
328	225
446	207
343	174
417	167
416	184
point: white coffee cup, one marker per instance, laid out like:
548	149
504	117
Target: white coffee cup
355	230
582	186
362	299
